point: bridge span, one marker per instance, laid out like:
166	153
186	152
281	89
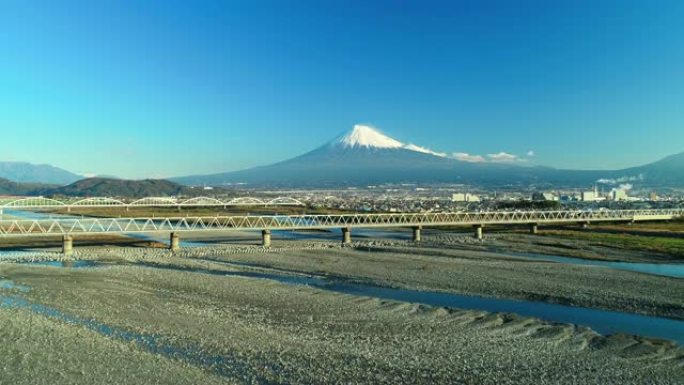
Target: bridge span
41	203
68	227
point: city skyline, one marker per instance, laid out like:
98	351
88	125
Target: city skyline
106	88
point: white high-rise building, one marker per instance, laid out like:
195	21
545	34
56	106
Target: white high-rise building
591	196
619	194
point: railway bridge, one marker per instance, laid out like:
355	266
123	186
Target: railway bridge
68	227
42	203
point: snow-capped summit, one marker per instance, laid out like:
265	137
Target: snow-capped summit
368	137
363	136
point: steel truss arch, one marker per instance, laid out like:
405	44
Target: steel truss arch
245	201
202	201
285	201
155	201
98	201
34	202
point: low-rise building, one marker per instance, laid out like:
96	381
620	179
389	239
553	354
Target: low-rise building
544	196
464	197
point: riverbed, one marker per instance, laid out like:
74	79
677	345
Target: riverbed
381	311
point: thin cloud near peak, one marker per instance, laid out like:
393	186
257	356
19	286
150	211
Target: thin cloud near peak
503	157
465	157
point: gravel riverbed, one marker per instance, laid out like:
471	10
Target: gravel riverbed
463	266
190	327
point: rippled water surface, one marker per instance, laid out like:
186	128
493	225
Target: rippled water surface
666	269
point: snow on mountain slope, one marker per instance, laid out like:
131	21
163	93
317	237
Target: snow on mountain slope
366	136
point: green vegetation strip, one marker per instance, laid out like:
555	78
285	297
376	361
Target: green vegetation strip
664	245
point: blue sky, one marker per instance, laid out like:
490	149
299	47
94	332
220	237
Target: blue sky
165	88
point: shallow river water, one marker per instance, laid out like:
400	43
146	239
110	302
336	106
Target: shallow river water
603	321
667	269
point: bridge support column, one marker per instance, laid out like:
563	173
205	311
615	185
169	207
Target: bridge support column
416	233
174	242
533	228
346	236
584	225
478	231
67	245
266	238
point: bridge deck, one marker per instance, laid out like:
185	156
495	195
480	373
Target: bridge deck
67	225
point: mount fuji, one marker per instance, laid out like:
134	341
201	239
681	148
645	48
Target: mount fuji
363	156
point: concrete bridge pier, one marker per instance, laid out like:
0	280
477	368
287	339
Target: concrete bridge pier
478	231
584	225
174	242
266	238
416	233
67	245
346	236
533	228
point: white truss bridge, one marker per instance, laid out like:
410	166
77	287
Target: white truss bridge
100	202
74	226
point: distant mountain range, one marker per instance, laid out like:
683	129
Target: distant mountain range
23	172
365	156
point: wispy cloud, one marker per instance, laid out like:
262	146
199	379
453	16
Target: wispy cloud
503	157
621	179
424	150
465	157
500	157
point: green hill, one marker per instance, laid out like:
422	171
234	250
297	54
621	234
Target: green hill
8	187
118	188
